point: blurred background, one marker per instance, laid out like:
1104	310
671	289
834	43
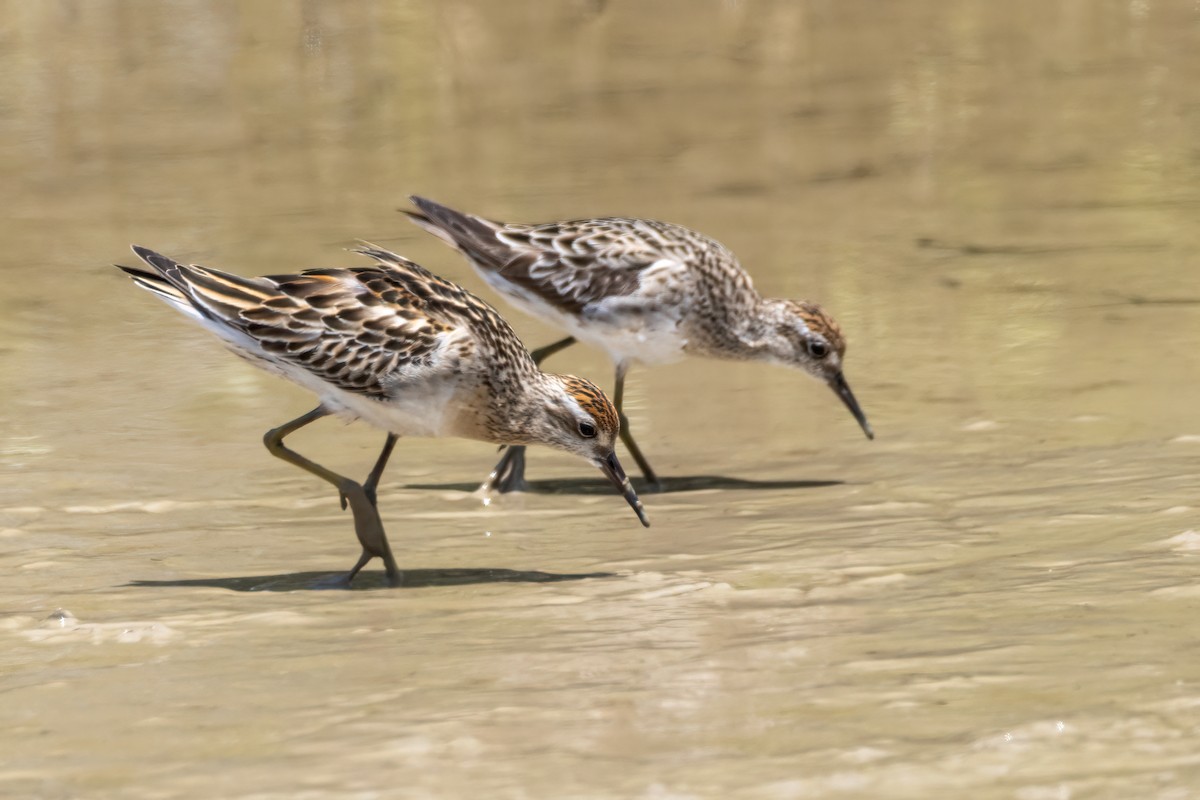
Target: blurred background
998	202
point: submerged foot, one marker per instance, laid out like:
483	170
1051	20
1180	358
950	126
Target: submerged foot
333	582
509	473
368	527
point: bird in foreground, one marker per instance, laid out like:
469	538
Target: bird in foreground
396	346
644	291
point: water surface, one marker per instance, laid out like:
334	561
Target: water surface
996	598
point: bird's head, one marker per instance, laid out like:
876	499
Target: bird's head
801	334
580	419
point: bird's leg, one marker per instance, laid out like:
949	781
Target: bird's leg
373	525
542	353
377	471
369	491
626	436
367	524
509	473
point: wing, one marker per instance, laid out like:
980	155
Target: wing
357	329
567	264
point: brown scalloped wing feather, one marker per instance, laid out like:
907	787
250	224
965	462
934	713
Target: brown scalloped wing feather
351	327
571	268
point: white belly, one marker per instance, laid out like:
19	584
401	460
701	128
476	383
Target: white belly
430	411
439	406
627	328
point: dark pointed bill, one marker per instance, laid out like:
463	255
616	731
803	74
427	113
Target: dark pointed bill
839	385
612	470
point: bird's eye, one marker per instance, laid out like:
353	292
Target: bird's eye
587	430
818	349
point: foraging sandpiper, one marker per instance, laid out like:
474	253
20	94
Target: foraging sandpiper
644	291
398	347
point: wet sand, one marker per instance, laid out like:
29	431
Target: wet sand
995	598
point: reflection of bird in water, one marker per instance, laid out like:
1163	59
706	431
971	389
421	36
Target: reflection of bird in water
643	291
400	348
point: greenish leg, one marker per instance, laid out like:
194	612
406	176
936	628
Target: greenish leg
368	527
626	436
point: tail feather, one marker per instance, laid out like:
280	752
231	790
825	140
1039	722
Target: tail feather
162	288
429	226
387	257
140	275
474	237
210	297
210	285
213	294
162	265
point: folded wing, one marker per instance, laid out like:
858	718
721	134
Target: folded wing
355	328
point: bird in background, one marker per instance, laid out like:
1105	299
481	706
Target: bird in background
645	292
403	350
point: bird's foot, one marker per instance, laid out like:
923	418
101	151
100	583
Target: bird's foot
368	527
509	474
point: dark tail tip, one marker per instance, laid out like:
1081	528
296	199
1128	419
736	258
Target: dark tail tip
415	216
461	229
430	209
136	272
429	212
156	260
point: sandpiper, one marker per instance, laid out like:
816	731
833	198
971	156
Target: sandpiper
398	347
644	291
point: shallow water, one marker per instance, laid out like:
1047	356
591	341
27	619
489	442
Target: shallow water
996	598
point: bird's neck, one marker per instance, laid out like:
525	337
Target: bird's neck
737	331
517	408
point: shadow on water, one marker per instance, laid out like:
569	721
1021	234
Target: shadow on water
681	483
413	579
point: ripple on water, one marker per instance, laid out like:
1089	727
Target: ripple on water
62	627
